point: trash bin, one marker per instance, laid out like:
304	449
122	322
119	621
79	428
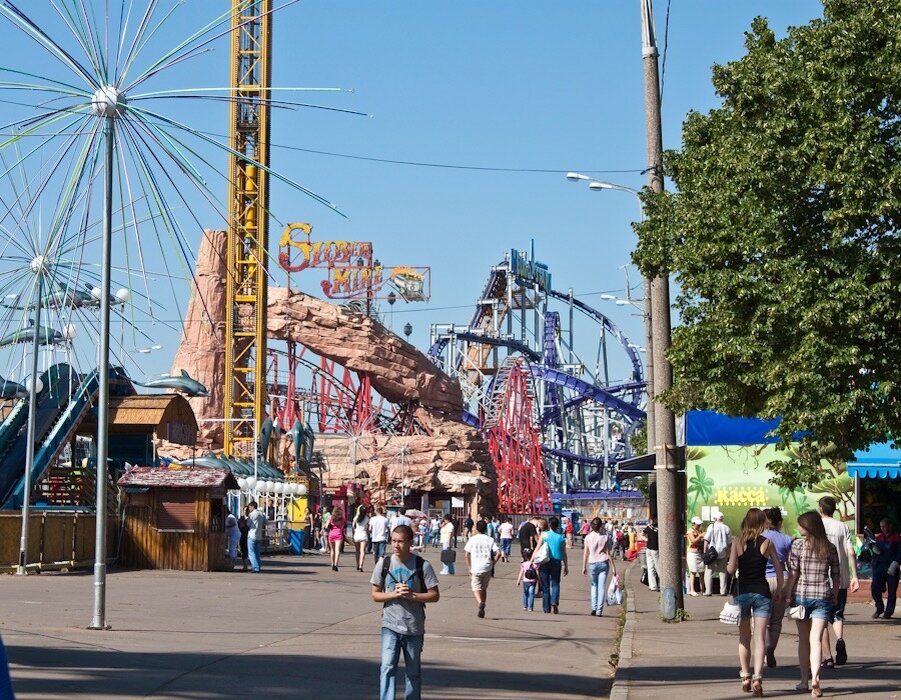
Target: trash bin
295	539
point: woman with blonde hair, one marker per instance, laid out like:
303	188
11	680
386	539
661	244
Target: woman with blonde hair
813	582
748	559
335	535
361	535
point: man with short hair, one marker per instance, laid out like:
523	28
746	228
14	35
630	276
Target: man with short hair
399	518
378	533
481	552
652	554
256	530
404	588
528	537
718	536
840	536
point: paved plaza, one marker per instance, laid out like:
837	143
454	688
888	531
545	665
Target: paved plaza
300	630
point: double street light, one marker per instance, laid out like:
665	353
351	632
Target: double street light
600	186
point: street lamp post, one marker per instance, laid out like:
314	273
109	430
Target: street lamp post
600	186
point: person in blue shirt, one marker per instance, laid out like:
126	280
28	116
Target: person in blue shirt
783	545
549	572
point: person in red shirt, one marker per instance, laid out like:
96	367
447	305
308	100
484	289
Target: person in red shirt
885	569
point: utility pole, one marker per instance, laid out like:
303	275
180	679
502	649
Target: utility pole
669	516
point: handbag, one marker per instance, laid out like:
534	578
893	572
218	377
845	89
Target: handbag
797	612
710	555
542	554
448	556
730	614
644	577
615	594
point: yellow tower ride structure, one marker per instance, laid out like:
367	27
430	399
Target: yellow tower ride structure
248	205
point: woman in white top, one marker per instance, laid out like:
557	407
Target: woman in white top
596	563
361	535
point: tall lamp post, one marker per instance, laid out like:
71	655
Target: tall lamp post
600	186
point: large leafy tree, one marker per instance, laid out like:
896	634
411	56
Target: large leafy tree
783	234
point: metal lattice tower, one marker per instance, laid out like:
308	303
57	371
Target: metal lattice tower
245	300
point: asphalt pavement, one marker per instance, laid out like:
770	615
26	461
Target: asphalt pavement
300	630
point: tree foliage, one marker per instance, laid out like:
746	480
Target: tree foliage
783	235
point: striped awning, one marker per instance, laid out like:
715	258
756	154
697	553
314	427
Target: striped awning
879	461
874	472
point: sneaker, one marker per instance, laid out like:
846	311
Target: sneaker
481	612
554	609
592	613
841	653
877	614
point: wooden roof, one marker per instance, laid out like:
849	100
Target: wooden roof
176	476
149	410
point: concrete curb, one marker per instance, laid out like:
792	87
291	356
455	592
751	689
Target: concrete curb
620	689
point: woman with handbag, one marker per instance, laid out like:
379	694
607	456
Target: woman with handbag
813	581
549	572
596	562
748	559
448	553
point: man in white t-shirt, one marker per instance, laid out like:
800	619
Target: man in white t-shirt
399	518
481	552
378	533
718	536
840	536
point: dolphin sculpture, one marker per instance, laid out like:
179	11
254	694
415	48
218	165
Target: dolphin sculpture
46	335
297	439
64	297
265	438
183	383
11	390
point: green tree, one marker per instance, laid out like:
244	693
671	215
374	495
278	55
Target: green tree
783	236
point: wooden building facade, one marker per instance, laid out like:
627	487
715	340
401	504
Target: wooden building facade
174	518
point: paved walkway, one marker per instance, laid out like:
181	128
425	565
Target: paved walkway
699	658
298	630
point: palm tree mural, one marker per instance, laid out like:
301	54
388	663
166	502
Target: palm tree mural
700	488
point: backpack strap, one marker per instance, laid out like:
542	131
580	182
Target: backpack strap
386	566
420	562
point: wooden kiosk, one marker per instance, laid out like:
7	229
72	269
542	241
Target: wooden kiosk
173	517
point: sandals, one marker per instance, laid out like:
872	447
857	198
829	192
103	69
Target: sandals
815	691
828	663
757	686
745	681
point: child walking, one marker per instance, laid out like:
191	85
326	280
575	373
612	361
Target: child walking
528	577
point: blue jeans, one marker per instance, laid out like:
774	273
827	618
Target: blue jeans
378	550
392	645
816	607
597	574
253	553
549	573
506	546
528	594
448	568
753	604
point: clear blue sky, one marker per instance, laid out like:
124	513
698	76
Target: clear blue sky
502	85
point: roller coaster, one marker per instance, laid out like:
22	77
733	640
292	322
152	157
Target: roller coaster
554	421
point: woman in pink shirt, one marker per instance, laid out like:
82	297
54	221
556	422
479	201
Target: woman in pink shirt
596	563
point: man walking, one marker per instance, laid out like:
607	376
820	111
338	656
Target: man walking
885	569
718	536
840	536
256	531
481	553
403	582
378	533
505	533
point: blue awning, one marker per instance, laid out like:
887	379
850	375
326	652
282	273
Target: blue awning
879	461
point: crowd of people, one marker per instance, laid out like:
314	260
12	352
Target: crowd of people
765	571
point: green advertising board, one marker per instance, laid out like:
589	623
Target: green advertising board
733	478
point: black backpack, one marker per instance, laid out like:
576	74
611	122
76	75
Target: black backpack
530	574
386	567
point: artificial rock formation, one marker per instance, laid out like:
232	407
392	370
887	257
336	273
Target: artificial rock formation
453	459
397	370
202	352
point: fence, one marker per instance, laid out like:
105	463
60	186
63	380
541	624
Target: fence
56	539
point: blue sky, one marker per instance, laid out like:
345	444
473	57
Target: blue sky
513	87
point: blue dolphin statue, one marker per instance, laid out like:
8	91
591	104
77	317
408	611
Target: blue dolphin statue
11	390
183	383
46	335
